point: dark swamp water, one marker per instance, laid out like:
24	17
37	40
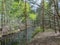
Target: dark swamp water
17	39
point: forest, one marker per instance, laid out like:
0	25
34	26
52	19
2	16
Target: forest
29	22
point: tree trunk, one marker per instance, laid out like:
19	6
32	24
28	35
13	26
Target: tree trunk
57	12
25	13
43	15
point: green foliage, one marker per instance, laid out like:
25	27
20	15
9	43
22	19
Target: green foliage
32	16
37	30
16	0
46	5
17	9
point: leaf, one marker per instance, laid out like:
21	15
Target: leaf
32	16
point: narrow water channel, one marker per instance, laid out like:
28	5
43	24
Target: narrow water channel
18	38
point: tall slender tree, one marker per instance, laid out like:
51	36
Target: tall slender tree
25	14
55	2
43	15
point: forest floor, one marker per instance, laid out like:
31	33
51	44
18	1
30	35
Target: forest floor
46	38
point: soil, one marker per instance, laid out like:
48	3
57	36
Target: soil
46	38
